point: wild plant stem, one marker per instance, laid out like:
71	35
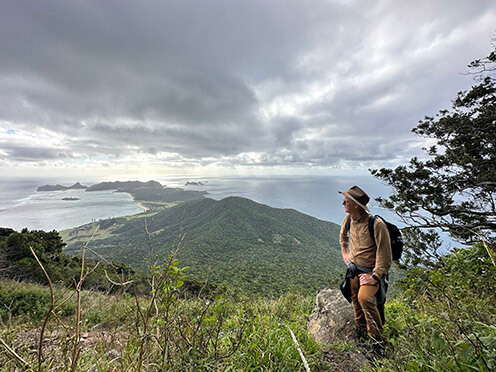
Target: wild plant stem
82	276
305	363
47	316
17	356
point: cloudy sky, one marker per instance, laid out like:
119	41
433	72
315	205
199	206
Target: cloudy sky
217	87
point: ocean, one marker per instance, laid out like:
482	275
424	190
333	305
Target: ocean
316	196
22	206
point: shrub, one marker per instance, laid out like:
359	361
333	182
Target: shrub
29	302
445	318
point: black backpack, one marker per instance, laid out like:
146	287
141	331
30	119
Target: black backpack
394	235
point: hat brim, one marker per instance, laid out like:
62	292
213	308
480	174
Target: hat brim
356	201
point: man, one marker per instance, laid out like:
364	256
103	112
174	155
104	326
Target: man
372	259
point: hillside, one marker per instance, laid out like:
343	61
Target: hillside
102	186
234	241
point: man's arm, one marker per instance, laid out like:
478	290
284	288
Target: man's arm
384	256
343	241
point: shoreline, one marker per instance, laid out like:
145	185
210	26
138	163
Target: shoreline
145	208
140	204
46	211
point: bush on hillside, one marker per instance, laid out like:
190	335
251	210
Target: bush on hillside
445	319
28	302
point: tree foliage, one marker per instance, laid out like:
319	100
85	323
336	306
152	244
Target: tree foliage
454	189
232	242
17	262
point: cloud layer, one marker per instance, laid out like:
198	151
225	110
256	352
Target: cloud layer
242	83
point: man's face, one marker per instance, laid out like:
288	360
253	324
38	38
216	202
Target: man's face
348	204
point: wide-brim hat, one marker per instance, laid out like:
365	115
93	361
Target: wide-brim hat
359	196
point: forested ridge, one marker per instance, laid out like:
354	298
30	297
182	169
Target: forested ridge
234	241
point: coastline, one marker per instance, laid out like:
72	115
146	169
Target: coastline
145	208
140	204
23	207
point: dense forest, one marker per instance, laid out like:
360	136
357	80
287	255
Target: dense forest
252	247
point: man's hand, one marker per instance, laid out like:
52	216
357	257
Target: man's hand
346	257
366	279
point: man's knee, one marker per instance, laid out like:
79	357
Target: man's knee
366	298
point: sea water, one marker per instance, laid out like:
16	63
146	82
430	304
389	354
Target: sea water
22	206
316	196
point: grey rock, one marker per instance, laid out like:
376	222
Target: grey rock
332	318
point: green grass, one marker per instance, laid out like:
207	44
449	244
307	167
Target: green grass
219	335
440	320
81	236
141	215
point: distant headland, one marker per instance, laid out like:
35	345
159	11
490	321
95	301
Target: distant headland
194	183
76	186
151	194
118	185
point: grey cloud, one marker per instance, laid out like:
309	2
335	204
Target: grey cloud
118	78
34	154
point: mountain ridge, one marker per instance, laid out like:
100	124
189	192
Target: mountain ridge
232	241
103	186
76	186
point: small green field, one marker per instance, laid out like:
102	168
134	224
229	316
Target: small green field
84	233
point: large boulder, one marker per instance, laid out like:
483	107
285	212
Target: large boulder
332	319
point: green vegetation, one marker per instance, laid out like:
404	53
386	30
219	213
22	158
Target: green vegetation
454	189
76	186
17	262
160	331
235	242
102	186
443	318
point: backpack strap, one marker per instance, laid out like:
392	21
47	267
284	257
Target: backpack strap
371	227
371	231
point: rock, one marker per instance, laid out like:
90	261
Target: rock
112	355
332	319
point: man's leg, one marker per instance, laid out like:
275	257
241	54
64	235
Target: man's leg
369	308
360	320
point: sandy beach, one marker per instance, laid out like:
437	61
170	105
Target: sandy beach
140	204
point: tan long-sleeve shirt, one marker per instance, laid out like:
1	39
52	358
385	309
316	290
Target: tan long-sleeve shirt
362	248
